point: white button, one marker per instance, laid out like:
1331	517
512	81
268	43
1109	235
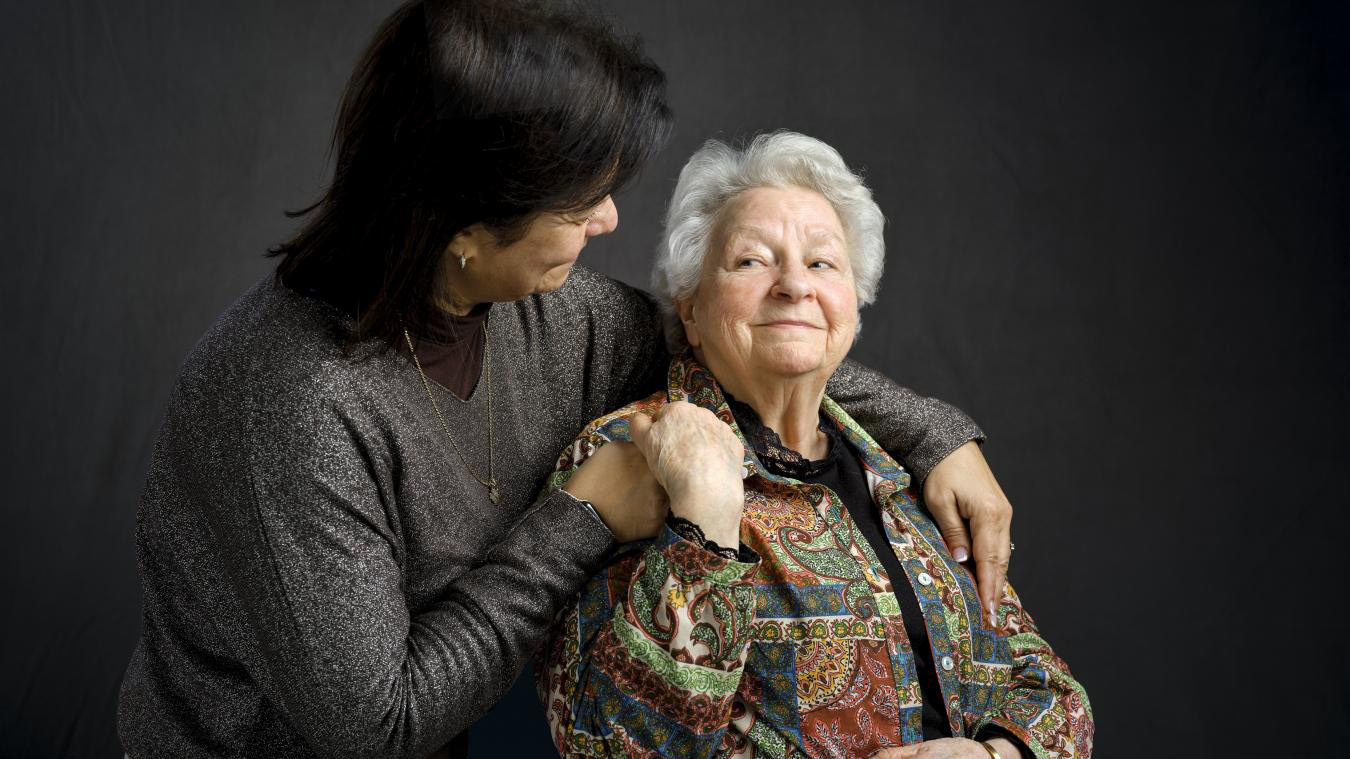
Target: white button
947	663
925	578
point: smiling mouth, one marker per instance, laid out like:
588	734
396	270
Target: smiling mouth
790	324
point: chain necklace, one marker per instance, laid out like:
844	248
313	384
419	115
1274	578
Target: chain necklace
491	482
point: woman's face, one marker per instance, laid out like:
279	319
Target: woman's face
776	296
539	262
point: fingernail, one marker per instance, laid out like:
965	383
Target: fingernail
993	615
961	554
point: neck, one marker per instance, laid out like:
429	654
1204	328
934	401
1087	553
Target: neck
455	297
789	406
452	304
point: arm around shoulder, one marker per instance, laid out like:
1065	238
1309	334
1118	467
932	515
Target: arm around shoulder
918	431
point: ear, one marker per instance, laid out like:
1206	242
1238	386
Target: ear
469	243
685	310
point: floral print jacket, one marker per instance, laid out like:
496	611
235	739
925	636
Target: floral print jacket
674	651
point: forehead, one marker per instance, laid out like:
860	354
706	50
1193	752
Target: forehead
775	212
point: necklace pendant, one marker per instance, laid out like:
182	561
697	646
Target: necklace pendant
494	495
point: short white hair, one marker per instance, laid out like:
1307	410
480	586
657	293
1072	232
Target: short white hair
718	172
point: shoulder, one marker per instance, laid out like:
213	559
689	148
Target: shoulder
275	356
874	457
588	285
598	297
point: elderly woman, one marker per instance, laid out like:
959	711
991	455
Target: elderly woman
799	600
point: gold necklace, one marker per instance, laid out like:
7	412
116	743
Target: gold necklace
491	482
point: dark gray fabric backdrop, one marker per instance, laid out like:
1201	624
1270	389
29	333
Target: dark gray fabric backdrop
1117	238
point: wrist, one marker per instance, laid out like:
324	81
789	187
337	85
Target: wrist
714	527
716	510
694	534
1000	748
589	508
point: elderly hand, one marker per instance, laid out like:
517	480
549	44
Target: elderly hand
962	490
697	459
617	481
947	748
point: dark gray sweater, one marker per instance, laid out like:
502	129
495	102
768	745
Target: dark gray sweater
322	576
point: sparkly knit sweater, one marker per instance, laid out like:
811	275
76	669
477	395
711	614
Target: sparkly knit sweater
322	573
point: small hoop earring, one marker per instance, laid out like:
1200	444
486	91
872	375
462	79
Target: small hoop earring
463	262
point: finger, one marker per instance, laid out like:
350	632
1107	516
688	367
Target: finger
992	552
899	752
942	505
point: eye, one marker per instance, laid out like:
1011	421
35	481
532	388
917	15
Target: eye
748	263
822	264
582	218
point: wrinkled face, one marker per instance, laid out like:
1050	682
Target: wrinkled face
539	262
776	298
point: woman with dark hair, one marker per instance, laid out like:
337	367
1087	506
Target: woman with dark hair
340	550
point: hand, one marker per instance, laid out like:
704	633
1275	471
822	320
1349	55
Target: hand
697	459
617	481
961	489
945	748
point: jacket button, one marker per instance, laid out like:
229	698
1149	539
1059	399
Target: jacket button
925	578
948	663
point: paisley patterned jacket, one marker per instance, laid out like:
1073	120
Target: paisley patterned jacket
674	651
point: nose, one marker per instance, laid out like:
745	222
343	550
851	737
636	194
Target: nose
792	284
604	219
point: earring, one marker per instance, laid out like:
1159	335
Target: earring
462	262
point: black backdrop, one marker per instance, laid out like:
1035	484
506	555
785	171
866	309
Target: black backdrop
1117	238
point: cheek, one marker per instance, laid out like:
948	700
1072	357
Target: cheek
841	310
557	250
733	310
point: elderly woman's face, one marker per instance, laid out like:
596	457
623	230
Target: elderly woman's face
776	293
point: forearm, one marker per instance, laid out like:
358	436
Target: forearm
628	682
1046	708
916	430
338	651
494	618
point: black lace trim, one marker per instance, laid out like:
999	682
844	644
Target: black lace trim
694	534
777	457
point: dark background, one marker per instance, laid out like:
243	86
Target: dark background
1117	238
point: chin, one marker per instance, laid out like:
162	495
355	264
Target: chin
554	280
792	360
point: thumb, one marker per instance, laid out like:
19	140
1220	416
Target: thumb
942	505
639	431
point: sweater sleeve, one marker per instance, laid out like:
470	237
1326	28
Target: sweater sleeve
1046	708
916	430
305	540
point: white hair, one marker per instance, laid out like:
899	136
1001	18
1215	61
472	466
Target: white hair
718	172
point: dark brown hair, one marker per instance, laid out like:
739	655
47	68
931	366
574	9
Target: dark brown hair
464	112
